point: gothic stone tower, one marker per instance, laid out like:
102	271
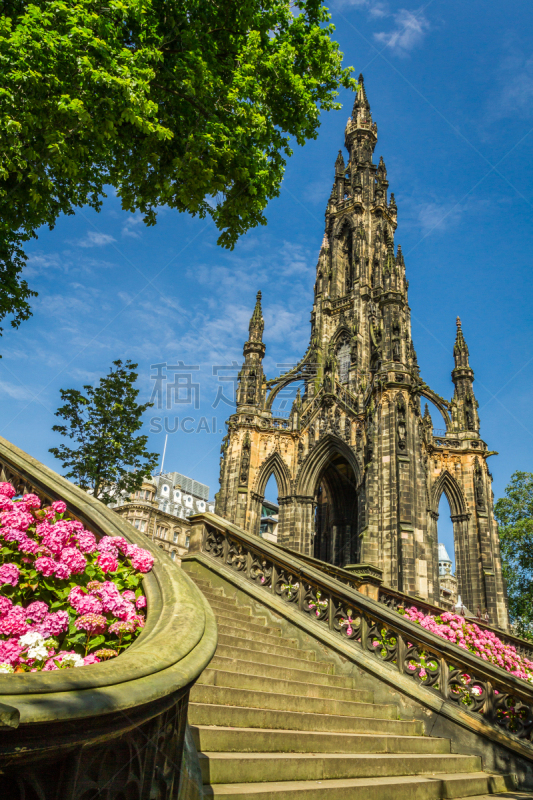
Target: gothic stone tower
360	470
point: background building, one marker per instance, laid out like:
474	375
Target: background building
268	529
161	508
447	581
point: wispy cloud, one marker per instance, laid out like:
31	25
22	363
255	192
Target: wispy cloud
15	391
409	31
513	95
95	239
133	226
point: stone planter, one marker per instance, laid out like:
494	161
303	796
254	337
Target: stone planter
114	730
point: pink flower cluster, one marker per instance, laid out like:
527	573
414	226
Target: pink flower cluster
61	591
469	636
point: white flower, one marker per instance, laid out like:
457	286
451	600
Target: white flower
39	652
72	660
30	639
6	668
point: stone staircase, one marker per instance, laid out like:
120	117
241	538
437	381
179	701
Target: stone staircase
271	722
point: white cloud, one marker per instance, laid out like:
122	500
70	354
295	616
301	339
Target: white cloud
17	392
514	93
410	29
95	239
133	226
436	216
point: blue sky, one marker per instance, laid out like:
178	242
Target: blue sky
451	89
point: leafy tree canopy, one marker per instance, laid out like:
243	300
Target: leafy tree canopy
184	103
514	513
104	455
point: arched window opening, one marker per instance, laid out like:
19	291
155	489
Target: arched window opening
344	361
448	596
268	527
336	538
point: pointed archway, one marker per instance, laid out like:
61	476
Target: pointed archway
330	475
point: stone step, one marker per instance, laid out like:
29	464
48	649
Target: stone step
260	646
241	717
252	627
245	698
210	591
250	630
256	740
238	680
239	612
265	767
269	671
229	629
419	787
272	658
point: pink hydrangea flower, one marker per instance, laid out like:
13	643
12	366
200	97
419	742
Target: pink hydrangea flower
45	565
86	541
5	503
141	560
36	611
9	573
7	489
17	518
128	595
92	658
5	605
31	501
27	545
92	623
14	623
62	572
59	507
74	560
141	601
85	603
107	562
54	623
10	651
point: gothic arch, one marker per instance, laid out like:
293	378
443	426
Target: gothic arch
274	464
317	459
342	330
340	224
446	483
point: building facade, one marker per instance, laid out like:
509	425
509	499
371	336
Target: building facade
359	467
161	509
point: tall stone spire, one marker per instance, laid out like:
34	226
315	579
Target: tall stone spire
463	377
359	466
257	323
251	378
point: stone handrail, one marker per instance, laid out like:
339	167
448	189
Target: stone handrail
440	674
133	695
369	580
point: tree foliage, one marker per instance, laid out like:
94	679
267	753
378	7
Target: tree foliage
108	457
186	103
514	513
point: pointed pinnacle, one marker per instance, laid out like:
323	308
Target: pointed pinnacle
258	314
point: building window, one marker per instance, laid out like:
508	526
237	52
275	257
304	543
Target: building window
175	536
140	524
173	555
186	541
162	532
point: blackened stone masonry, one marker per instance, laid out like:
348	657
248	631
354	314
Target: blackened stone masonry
359	467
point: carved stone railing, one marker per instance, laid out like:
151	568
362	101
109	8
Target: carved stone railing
114	729
478	695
